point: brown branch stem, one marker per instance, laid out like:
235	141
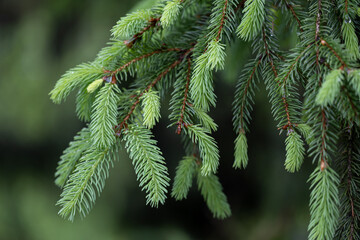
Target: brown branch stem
245	93
180	123
326	44
323	163
223	17
290	7
140	58
152	23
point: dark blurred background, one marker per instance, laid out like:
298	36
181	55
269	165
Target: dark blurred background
39	41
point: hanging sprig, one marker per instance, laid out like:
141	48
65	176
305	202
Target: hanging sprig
252	20
81	75
324	203
212	54
184	177
104	116
149	165
151	108
208	149
86	182
71	156
330	89
214	197
131	24
294	152
171	12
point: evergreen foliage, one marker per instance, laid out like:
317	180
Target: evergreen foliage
211	190
174	49
240	154
148	163
151	108
103	117
294	152
184	177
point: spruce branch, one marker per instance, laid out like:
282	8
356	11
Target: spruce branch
330	89
171	12
291	8
150	108
71	156
241	148
211	190
208	149
349	187
348	28
74	78
252	20
324	202
244	96
185	172
84	102
354	76
177	46
132	23
104	115
86	181
123	124
181	123
149	165
326	44
294	152
126	65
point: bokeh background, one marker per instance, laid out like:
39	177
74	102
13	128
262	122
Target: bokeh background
39	41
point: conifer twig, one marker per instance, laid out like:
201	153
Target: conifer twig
152	23
140	58
188	77
325	43
323	161
223	17
123	124
290	7
245	94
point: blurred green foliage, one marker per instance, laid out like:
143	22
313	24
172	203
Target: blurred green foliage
39	40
